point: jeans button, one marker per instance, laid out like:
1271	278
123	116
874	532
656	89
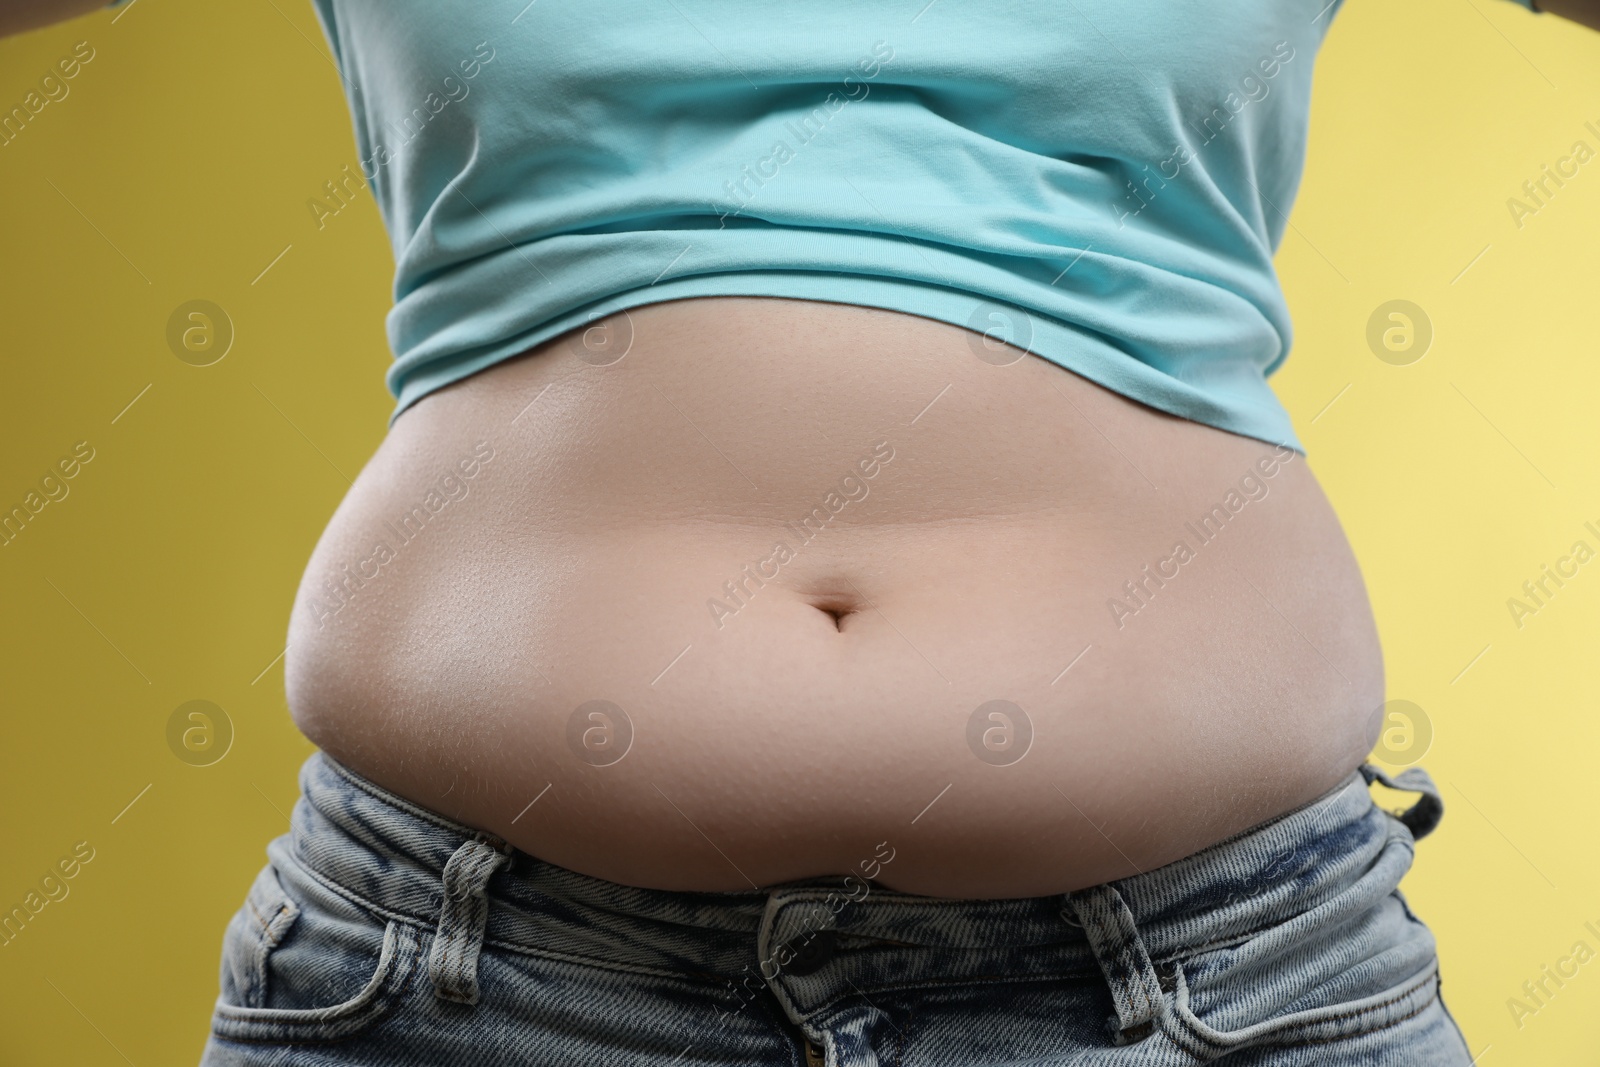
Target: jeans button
810	954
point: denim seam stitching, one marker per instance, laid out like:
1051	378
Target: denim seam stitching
1277	1038
388	997
1303	1042
398	966
1424	1006
1261	826
272	938
426	925
1134	981
420	922
1190	951
688	977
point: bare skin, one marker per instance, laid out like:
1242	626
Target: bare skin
822	714
18	16
1583	12
824	707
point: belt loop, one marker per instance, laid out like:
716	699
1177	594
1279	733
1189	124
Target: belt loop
453	961
1424	815
1113	937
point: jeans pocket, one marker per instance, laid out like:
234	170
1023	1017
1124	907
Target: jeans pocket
304	971
1347	968
1334	1020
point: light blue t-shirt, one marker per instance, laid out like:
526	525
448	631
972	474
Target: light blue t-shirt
1101	182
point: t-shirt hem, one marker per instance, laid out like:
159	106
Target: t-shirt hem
1253	410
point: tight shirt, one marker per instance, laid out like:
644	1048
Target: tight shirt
1102	183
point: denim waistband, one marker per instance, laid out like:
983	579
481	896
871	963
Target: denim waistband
395	858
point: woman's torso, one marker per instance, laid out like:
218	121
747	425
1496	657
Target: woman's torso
572	527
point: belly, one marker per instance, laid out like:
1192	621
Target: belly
730	592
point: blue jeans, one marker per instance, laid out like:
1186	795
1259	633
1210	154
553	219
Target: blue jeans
382	933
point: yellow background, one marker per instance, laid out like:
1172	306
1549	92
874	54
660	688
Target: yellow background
179	168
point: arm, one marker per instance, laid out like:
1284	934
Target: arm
1583	12
19	15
